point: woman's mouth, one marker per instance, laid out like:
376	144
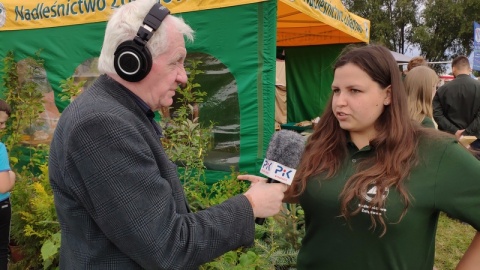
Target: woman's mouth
341	116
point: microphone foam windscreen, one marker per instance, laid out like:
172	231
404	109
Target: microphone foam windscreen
286	147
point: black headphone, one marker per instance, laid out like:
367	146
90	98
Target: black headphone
133	60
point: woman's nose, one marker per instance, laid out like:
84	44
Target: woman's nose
340	99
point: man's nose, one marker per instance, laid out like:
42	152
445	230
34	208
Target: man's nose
182	78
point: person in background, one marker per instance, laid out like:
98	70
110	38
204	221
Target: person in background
118	197
416	62
420	85
7	182
372	182
456	105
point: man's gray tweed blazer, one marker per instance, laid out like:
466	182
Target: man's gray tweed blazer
118	197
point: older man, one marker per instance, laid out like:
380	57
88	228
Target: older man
119	200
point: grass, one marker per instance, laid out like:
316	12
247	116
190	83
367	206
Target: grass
453	239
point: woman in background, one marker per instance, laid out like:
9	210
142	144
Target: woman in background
420	84
372	182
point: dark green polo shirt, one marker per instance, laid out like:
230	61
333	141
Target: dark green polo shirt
447	179
428	122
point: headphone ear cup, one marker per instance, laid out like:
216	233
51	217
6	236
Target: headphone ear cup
132	62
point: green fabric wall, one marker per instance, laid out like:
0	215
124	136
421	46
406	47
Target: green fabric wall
309	76
243	39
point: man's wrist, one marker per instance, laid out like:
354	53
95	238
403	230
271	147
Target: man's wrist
250	200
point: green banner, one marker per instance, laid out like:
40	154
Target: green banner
21	15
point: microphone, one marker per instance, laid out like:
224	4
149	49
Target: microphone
283	156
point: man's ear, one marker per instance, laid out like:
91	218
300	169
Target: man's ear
454	71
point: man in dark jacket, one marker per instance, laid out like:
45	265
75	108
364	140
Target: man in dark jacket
456	105
118	197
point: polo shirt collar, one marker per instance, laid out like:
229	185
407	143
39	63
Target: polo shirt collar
352	148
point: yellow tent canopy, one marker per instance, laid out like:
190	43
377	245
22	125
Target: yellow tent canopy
318	22
299	22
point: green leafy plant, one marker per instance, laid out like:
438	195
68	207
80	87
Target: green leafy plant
279	240
201	196
22	94
70	89
191	95
239	260
50	251
34	222
185	139
276	242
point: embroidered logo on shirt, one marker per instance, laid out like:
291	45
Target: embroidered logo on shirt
373	191
367	209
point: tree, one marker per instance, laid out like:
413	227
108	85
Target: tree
442	29
391	21
447	28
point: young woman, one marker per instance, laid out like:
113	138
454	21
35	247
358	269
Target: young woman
372	182
420	85
7	181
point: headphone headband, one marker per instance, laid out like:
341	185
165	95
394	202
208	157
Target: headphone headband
153	20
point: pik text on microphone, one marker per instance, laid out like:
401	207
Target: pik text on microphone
277	171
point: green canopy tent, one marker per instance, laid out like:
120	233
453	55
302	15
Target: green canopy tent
235	39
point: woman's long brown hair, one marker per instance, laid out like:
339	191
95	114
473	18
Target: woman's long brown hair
395	144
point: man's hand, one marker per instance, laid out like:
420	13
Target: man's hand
265	198
459	133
